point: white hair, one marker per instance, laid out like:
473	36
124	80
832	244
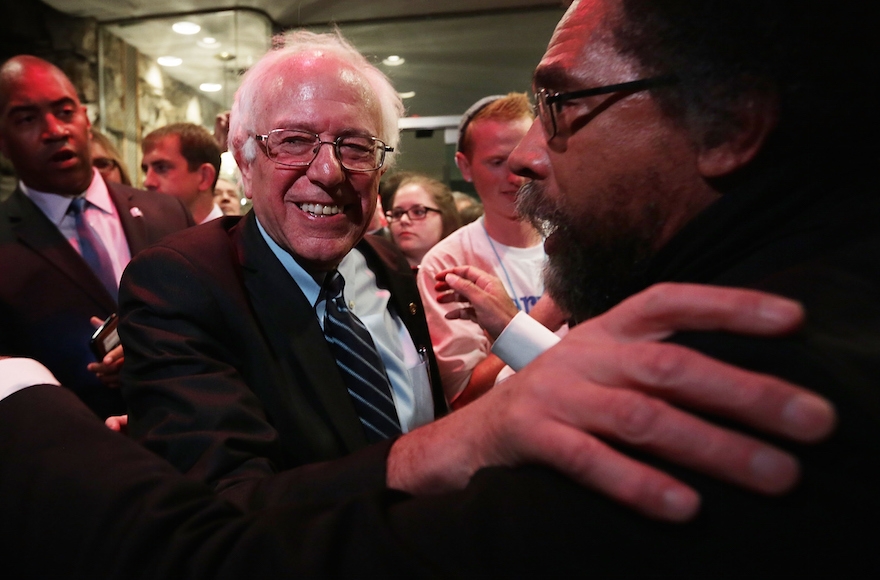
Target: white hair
242	121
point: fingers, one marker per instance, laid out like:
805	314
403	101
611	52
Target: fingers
601	468
686	377
96	322
664	309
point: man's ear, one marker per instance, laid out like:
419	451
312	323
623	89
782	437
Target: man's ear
464	166
207	175
756	118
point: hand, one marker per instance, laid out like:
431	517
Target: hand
107	369
610	378
221	130
118	423
485	301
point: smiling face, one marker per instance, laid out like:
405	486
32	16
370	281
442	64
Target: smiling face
44	130
317	213
616	184
415	237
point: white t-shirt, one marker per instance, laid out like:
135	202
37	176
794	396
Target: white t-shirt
460	345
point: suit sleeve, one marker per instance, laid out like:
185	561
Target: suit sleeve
188	402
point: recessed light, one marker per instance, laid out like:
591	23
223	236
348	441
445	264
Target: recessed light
208	42
169	61
210	87
393	60
224	56
407	95
186	27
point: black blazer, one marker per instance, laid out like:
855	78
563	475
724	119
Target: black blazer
48	292
227	372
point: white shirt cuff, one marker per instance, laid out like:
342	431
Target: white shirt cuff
19	373
522	340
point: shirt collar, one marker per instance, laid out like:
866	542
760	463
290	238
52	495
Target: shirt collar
55	206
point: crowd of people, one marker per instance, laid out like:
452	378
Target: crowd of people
655	352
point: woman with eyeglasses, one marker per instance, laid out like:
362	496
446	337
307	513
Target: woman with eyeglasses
422	213
106	159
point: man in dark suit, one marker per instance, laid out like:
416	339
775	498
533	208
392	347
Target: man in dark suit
228	373
48	292
781	228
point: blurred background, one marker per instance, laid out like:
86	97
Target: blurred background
141	64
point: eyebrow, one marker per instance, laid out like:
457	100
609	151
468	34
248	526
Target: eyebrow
551	76
36	106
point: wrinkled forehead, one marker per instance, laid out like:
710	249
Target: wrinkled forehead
317	76
581	51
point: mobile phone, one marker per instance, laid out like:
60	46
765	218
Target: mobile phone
106	338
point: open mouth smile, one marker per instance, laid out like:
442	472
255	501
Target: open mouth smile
319	209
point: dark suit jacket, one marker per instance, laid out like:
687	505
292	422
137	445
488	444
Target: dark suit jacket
227	373
81	502
48	292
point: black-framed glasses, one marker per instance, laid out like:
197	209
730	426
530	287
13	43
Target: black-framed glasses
549	104
295	148
415	213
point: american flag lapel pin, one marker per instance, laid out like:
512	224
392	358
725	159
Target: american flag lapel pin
136	212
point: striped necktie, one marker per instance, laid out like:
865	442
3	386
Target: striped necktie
360	364
91	248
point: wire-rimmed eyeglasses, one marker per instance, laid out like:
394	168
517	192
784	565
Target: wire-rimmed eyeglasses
414	213
295	148
549	105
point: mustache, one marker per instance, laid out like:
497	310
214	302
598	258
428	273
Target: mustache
533	204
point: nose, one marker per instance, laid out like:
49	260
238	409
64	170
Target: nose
529	158
55	128
325	169
150	181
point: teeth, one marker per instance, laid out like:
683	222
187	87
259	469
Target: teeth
320	209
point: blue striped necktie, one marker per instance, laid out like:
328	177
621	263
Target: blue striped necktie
91	248
359	363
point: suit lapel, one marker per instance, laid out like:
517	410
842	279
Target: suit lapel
394	274
35	231
289	320
130	217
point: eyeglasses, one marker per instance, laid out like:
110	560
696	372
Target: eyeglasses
103	163
414	213
293	148
550	104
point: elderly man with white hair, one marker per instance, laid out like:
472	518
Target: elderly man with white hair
246	357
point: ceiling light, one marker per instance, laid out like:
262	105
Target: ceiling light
210	87
169	61
393	60
208	42
407	95
186	28
224	56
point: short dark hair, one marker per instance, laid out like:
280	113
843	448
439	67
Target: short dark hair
197	145
816	57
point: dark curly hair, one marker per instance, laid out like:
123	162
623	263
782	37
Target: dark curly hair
816	57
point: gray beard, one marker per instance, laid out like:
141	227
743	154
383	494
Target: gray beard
599	259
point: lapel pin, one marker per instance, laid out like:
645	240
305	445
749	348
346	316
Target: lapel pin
412	308
136	212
